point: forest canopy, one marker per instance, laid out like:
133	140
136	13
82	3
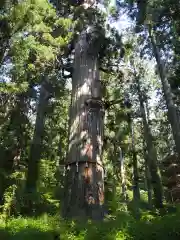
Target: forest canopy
89	119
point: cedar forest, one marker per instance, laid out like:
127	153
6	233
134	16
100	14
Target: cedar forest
89	119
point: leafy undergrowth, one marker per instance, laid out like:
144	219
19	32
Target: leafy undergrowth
120	227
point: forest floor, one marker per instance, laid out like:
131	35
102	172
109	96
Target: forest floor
121	226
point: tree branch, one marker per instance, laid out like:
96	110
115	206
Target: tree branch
108	104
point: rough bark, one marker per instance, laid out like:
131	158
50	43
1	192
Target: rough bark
152	154
36	146
84	189
172	110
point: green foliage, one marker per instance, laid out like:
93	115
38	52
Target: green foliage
34	38
115	227
9	201
166	227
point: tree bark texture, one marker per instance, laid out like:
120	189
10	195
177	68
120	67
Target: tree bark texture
152	154
123	179
172	110
36	146
148	178
147	171
136	191
84	187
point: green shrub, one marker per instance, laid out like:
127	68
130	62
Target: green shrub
154	228
120	226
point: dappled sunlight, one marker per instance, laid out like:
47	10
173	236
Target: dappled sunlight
88	173
84	89
89	120
115	227
88	151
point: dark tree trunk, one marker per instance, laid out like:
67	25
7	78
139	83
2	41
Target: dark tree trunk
148	177
122	171
136	191
36	146
84	188
172	110
152	154
147	171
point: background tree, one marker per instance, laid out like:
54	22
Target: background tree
40	42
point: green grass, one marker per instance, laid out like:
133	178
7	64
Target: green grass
121	226
27	229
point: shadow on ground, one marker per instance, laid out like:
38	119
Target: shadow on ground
120	226
26	234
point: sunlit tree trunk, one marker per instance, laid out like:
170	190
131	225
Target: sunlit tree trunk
36	146
84	187
172	110
151	153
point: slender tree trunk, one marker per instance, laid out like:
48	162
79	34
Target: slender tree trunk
152	154
172	110
84	187
36	146
148	178
122	170
136	191
147	171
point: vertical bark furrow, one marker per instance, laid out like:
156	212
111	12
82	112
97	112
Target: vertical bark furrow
152	154
172	110
84	190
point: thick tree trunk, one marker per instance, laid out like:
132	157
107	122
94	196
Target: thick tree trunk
36	146
172	110
152	154
84	188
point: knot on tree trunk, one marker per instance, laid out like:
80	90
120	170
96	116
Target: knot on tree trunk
94	103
